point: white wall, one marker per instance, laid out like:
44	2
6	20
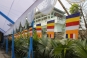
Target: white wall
58	27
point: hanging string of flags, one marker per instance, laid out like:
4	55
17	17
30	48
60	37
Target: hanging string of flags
50	30
72	25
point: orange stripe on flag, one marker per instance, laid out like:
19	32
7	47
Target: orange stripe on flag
73	32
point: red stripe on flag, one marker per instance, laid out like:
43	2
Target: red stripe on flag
50	27
30	30
38	28
72	23
71	35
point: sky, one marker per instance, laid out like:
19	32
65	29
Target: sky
65	3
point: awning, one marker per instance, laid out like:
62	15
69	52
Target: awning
13	11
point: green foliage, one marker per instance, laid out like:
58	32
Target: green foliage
26	25
45	48
51	48
80	48
21	46
74	8
20	27
63	49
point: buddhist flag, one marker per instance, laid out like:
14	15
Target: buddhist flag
39	30
30	31
72	25
50	28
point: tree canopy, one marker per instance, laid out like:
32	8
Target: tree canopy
74	8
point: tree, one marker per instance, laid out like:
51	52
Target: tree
64	49
20	27
74	8
26	25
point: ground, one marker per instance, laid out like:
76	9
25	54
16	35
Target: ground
3	54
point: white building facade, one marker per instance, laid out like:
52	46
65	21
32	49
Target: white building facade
56	15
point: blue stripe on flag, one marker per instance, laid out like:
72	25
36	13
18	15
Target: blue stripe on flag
73	15
66	35
51	21
38	25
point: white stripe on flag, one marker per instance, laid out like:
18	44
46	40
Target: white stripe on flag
30	31
72	27
25	33
50	29
73	36
39	31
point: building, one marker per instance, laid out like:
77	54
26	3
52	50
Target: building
56	15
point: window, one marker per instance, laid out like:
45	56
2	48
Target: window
56	14
52	13
52	16
48	17
45	17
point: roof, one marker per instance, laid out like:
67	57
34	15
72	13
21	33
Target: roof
12	11
56	9
59	10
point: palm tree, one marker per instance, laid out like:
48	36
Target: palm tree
45	48
80	48
63	49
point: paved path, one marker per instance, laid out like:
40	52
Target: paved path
3	54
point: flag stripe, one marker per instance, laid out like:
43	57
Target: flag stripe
71	31
66	35
50	24
72	23
74	36
38	28
30	29
72	19
38	25
50	27
38	31
30	32
72	27
71	35
73	15
51	21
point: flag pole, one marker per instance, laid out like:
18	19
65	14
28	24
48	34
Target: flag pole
30	53
13	53
6	45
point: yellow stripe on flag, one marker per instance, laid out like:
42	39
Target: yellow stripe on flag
73	32
38	26
69	36
72	19
50	24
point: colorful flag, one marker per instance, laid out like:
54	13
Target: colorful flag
72	25
39	30
50	28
